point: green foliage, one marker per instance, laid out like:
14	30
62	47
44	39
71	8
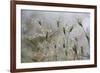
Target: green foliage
63	45
40	23
34	42
64	30
80	22
75	49
34	60
82	50
87	37
66	53
46	36
71	29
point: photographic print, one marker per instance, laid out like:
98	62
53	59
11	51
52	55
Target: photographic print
52	36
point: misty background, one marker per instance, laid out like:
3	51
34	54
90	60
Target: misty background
54	36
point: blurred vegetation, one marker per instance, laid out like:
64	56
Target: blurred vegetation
56	45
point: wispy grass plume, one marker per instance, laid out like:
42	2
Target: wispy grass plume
80	23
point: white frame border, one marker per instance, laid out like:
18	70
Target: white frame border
20	65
